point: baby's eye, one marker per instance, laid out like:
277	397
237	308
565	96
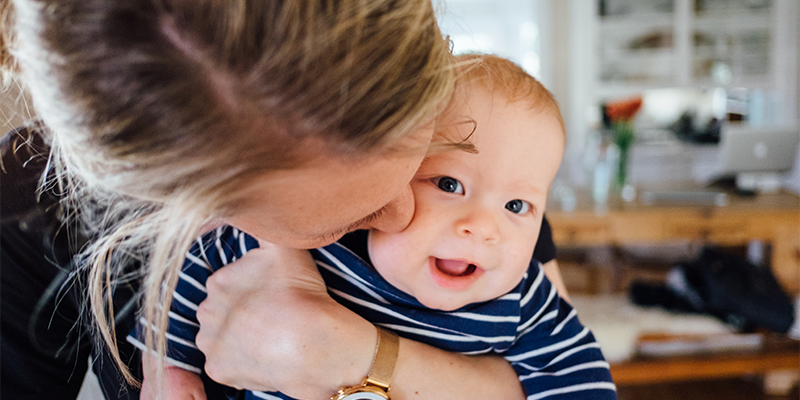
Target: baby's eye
518	206
449	185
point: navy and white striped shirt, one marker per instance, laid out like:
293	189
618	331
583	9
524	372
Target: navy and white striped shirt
554	355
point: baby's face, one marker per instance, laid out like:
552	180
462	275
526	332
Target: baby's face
478	215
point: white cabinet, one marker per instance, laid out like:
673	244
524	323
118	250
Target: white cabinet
646	44
636	49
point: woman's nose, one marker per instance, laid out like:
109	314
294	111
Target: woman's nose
479	225
395	216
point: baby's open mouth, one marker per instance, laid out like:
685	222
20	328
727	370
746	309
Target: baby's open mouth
455	267
454	274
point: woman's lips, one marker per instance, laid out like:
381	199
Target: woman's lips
454	274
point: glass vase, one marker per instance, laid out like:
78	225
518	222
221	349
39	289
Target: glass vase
623	138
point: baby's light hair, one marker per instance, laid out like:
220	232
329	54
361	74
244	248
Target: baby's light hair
502	76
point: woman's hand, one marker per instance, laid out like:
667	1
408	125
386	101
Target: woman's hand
269	324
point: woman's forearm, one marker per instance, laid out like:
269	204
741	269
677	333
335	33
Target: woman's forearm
428	373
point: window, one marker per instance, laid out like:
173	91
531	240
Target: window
507	28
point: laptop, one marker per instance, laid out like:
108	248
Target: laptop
755	156
763	149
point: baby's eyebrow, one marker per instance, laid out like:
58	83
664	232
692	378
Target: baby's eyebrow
443	147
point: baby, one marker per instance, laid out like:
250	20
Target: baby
460	277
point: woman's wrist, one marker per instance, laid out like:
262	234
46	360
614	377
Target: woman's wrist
421	372
352	347
377	382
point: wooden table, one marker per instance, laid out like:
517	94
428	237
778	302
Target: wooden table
776	354
771	218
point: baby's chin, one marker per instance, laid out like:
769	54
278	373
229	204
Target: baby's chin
446	305
445	308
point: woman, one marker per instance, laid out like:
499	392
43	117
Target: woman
168	117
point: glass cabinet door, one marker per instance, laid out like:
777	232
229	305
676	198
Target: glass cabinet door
732	42
636	42
652	43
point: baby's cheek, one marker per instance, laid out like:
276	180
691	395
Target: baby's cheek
387	251
517	263
378	248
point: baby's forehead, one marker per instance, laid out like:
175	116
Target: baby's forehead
512	130
471	117
480	105
535	99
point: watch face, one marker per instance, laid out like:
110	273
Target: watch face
361	393
364	396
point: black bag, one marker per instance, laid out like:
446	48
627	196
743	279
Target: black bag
726	286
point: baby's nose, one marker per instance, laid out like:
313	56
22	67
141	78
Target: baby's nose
480	226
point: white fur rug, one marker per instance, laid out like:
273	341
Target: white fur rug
617	323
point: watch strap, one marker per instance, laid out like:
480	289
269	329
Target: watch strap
384	360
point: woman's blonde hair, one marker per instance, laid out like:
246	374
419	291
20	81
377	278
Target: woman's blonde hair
159	112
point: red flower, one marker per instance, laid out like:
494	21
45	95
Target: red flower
623	110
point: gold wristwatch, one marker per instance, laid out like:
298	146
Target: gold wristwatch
375	385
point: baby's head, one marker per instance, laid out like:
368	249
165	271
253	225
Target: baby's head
478	213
